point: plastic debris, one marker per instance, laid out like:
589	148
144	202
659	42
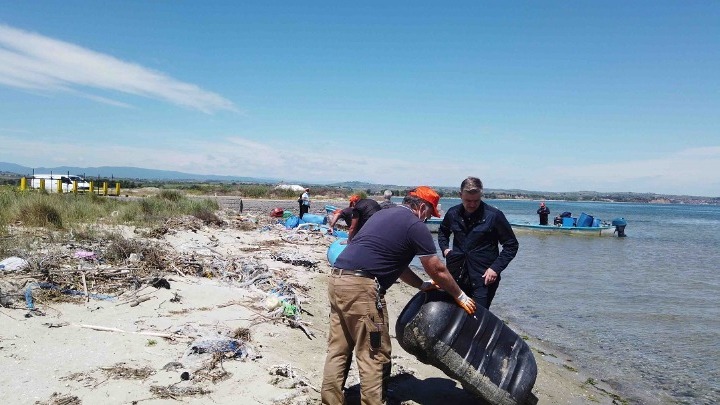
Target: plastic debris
84	254
50	286
231	347
13	263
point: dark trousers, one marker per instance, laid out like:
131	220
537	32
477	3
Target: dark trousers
482	294
543	219
303	209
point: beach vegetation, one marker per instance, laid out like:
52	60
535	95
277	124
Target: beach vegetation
73	211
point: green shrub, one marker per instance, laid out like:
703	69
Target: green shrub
171	195
40	213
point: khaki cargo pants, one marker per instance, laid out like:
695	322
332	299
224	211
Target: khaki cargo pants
356	324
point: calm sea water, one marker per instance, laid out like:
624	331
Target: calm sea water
641	312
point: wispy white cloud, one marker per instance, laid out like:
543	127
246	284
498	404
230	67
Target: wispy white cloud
690	171
32	61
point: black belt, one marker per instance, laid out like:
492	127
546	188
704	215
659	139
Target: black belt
356	273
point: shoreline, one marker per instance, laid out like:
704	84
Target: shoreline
54	353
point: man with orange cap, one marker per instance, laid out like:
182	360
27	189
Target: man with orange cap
379	254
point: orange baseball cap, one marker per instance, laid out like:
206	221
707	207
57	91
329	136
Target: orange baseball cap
354	198
429	195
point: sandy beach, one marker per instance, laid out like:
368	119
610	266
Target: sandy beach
218	334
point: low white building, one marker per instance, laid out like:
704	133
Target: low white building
292	187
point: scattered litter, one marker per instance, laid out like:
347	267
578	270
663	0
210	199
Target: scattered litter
13	263
295	261
121	371
50	286
85	255
284	376
175	391
60	399
172	366
232	348
160	283
55	325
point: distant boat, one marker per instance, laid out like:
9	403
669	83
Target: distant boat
433	224
601	230
567	225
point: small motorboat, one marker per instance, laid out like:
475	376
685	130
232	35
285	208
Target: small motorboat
583	225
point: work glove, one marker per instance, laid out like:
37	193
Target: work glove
466	303
428	285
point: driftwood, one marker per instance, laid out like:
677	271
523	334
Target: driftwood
139	300
87	296
171	336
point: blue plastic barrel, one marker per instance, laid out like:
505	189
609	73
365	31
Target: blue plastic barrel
314	219
596	222
568	221
335	249
292	222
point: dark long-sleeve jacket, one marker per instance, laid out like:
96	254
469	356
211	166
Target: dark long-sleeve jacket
477	237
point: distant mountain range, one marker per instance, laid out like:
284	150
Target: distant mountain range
123	172
137	173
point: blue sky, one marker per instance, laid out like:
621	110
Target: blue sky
551	96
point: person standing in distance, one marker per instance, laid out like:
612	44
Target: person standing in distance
387	200
477	230
304	202
379	254
543	212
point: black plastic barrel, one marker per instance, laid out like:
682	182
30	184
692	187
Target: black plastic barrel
486	356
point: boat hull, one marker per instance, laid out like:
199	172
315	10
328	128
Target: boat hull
607	230
433	224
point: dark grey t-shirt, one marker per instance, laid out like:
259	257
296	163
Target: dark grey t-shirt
364	209
387	244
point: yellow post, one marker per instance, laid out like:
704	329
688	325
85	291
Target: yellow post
42	184
117	189
23	184
92	187
105	188
59	185
75	186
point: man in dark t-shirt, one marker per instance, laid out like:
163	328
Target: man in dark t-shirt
355	216
379	254
345	214
363	209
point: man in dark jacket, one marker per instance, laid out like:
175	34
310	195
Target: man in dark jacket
477	228
543	211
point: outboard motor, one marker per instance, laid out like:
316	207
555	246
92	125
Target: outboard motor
619	224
